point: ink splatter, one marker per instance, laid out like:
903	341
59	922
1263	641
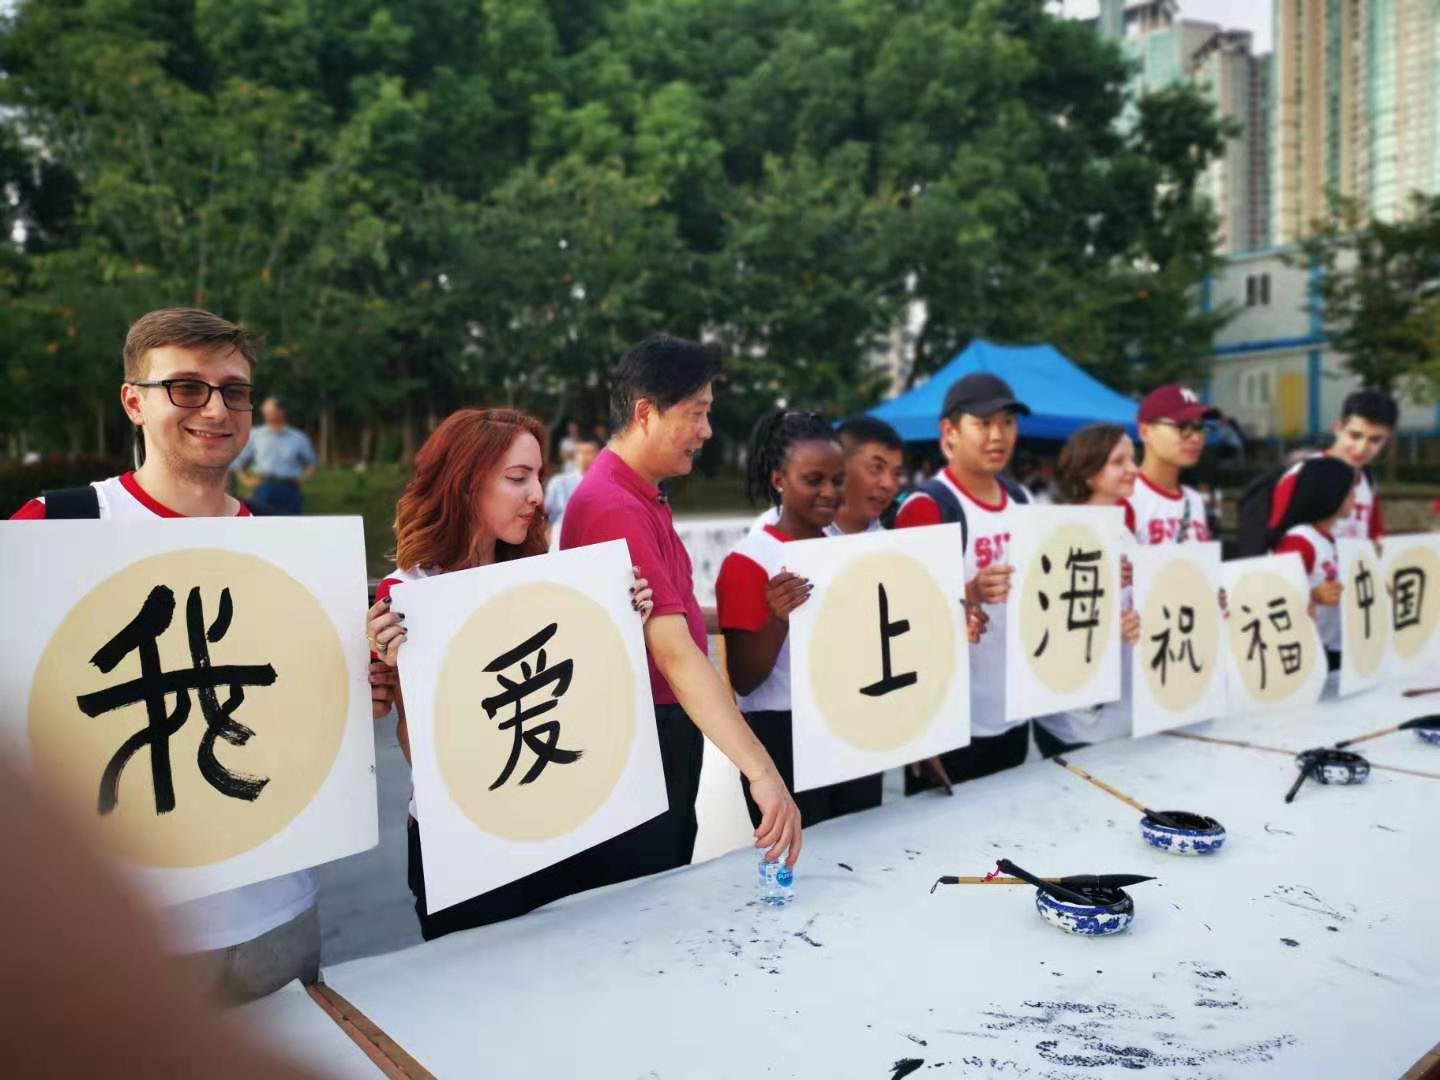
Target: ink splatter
904	1067
1283	832
1305	899
845	866
916	1040
1291	942
803	936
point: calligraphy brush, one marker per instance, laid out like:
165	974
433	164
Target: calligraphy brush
1059	892
1429	723
1153	815
1074	881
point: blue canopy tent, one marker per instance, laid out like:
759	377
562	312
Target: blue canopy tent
1062	397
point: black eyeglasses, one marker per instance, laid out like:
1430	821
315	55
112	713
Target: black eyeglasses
1187	430
195	393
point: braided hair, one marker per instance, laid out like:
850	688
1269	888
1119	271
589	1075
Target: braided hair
775	433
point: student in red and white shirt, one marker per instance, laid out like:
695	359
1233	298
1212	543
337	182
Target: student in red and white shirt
187	391
475	499
1322	496
1172	427
1097	468
978	430
1366	425
797	464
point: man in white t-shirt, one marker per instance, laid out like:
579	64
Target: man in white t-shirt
978	430
187	389
1173	428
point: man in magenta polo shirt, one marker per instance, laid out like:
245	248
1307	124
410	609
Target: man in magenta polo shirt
661	401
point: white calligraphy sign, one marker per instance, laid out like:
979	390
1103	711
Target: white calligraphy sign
1275	656
532	727
1178	676
1412	572
879	668
1365	617
195	691
1062	622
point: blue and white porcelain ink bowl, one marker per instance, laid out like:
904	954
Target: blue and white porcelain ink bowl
1329	766
1197	834
1110	914
1429	735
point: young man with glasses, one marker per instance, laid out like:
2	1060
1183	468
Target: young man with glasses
187	389
1173	429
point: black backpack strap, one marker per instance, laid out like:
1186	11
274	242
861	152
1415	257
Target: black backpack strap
72	503
1014	490
950	509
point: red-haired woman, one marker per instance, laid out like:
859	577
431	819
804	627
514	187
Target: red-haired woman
476	498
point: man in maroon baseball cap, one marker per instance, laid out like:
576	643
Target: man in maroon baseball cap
1172	427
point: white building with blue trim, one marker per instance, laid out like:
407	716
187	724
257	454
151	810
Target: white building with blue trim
1273	369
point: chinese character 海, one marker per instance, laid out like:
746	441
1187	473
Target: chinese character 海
542	738
142	635
1082	598
1183	650
888	681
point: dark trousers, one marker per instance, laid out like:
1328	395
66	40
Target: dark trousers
985	755
276	497
662	843
1049	746
818	804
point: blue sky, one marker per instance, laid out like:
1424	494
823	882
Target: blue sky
1253	15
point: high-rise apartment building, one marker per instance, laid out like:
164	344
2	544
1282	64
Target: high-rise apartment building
1168	49
1355	107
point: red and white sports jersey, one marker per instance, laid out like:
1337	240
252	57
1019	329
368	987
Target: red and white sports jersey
1364	522
1157	516
119	497
740	605
243	914
1322	563
988	527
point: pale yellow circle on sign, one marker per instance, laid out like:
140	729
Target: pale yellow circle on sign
1263	663
1364	650
297	721
585	659
1180	636
1415	598
1066	608
848	648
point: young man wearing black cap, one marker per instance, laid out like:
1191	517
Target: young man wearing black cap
1172	427
978	429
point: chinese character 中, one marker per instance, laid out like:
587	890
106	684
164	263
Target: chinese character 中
542	738
889	681
1365	593
1184	650
1082	598
1409	590
142	635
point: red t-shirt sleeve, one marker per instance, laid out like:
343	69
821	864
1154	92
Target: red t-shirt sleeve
740	594
1377	522
1301	547
1130	519
1280	500
919	509
383	589
34	510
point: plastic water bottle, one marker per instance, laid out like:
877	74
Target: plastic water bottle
777	883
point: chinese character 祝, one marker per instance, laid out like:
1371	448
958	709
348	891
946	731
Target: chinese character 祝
1184	650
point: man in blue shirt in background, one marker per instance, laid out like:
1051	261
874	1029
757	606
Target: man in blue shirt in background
275	462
